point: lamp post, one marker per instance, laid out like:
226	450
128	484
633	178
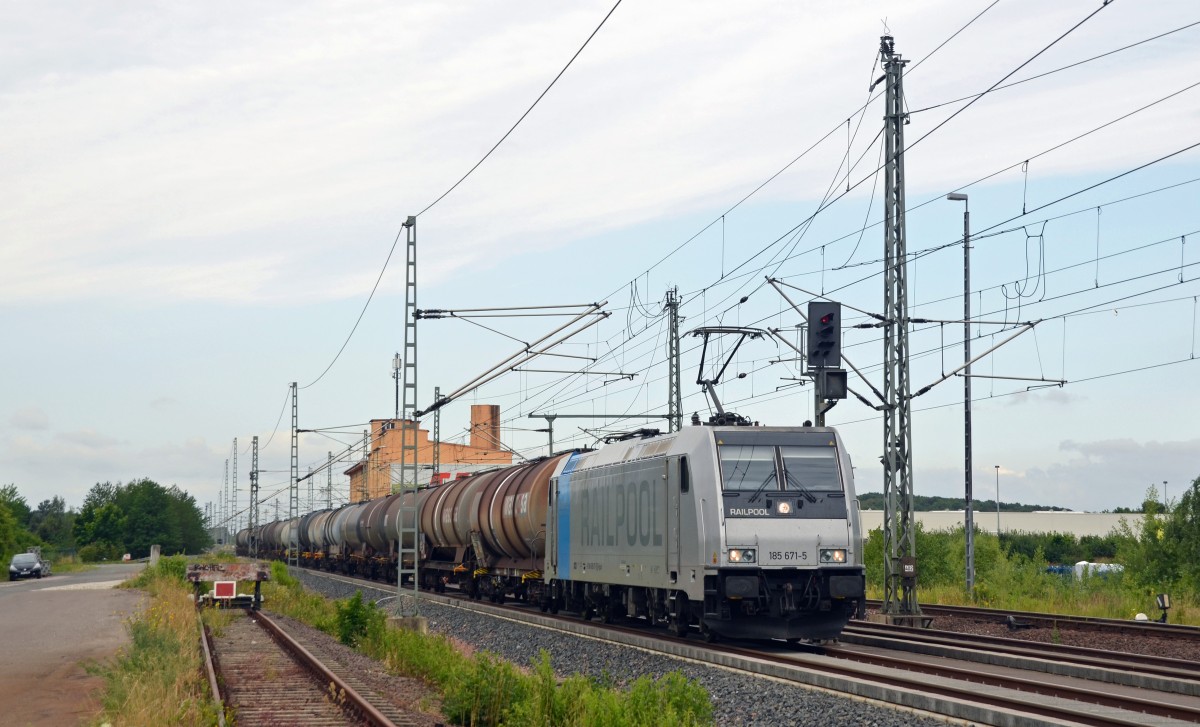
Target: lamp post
397	369
1164	494
969	524
997	502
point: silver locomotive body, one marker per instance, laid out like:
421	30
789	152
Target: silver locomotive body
748	532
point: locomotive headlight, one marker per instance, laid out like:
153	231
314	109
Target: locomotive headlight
833	555
742	555
784	507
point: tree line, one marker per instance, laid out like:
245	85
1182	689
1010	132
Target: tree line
115	519
925	503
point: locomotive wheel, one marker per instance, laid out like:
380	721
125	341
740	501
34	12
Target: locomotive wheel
554	605
679	617
608	612
679	628
706	633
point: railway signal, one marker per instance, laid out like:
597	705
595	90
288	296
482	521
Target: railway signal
824	335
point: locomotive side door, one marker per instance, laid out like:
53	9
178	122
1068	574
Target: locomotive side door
674	473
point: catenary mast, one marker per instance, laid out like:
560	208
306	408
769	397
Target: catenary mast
899	536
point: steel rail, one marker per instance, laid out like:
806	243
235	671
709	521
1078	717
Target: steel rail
1061	620
211	671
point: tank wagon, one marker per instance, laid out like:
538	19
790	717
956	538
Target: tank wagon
743	532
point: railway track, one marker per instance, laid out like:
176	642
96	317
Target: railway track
965	679
1060	621
265	676
1147	666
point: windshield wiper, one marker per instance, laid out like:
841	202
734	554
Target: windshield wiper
799	487
766	481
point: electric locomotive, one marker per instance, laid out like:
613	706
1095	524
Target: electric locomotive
745	532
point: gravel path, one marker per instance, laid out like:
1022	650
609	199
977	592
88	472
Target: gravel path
737	699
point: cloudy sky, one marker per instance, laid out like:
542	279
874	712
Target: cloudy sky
200	197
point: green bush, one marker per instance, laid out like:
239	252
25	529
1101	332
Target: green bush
171	567
357	620
279	574
96	552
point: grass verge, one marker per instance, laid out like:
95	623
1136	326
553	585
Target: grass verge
484	689
158	678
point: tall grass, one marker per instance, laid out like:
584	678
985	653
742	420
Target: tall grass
158	678
484	689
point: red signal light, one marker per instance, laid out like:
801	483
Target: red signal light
827	319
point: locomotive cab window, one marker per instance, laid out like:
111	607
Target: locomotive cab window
748	467
810	468
685	475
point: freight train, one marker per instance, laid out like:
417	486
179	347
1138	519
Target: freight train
737	531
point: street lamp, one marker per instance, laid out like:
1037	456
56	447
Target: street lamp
997	502
1164	494
967	462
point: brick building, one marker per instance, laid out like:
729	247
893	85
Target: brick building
379	473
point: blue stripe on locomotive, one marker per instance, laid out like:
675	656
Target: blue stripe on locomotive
563	502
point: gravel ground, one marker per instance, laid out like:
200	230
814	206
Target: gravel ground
737	699
1173	648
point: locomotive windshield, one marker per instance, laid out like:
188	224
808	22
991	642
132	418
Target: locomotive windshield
748	467
810	468
773	462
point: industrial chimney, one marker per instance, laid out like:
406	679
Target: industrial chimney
485	426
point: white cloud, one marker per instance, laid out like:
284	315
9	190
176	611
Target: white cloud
30	418
1115	472
224	161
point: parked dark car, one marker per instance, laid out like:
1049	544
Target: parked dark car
27	565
